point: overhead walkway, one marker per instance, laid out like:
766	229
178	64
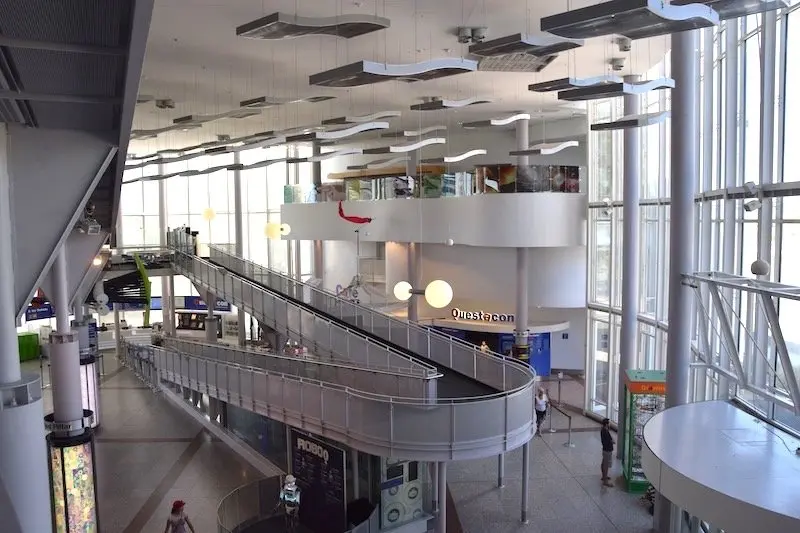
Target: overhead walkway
495	417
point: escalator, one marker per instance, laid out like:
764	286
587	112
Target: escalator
452	384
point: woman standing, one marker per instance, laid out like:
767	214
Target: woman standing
178	521
541	410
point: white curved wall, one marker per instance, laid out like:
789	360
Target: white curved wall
526	220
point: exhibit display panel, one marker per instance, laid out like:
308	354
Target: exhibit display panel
645	396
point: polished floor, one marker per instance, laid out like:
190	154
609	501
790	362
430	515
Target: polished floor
149	453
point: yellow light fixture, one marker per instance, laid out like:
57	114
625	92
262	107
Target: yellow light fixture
209	214
438	293
402	291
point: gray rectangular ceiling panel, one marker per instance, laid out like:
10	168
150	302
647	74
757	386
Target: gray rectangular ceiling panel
53	173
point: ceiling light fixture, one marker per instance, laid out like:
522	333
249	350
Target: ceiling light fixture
572	83
358	119
632	121
286	26
274	230
496	121
379	163
612	90
262	102
453	158
546	148
541	45
414	133
438	293
734	9
367	72
404	148
436	104
522	62
635	19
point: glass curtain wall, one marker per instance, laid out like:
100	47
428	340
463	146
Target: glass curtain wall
712	250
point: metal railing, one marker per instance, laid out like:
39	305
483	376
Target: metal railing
248	505
498	371
569	443
397	382
319	334
379	424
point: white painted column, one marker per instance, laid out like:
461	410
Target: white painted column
441	479
521	349
632	146
316	178
117	331
414	252
24	477
211	320
167	298
238	223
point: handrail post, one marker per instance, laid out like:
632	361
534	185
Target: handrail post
569	444
550	417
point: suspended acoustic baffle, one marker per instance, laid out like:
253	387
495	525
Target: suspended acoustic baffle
338	134
379	163
541	45
632	121
262	102
285	26
325	156
367	72
436	104
613	90
546	148
634	19
734	9
404	148
414	133
496	121
380	115
572	83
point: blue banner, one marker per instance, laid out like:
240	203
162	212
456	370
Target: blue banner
195	303
45	310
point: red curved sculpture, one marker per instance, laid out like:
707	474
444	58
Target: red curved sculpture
351	218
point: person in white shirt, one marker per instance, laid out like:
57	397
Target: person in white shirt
541	409
178	521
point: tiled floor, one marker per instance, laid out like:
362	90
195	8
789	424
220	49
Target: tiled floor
150	453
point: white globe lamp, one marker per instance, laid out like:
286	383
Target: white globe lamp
760	267
285	229
438	294
272	230
402	291
209	214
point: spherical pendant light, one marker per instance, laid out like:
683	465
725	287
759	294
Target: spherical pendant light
438	293
402	291
209	214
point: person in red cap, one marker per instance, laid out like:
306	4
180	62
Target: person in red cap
178	521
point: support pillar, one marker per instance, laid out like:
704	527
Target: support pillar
521	348
211	320
117	331
434	469
441	479
356	479
316	179
69	423
238	216
414	249
685	169
526	474
167	297
501	470
24	481
631	142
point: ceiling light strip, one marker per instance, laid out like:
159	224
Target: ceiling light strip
454	158
497	121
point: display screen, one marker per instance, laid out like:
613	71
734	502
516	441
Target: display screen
73	489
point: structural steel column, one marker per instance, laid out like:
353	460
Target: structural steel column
356	480
684	169
441	479
167	298
211	320
65	363
526	474
24	478
730	143
238	216
521	349
766	163
501	470
117	331
316	178
414	250
632	167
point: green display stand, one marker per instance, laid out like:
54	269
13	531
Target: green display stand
28	346
645	395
